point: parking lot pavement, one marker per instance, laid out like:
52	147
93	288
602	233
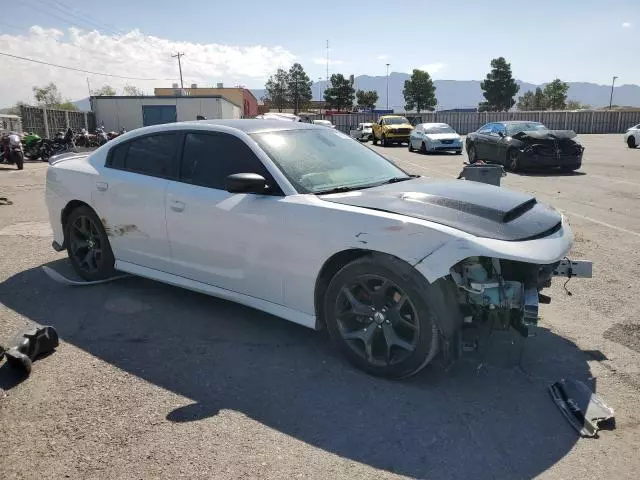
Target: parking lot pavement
152	381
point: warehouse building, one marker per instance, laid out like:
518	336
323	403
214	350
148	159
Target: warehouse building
238	95
116	113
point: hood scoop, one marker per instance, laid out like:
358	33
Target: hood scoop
482	210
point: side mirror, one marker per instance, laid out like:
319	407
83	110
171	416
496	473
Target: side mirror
246	183
501	135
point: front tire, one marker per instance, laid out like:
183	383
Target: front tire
88	246
513	160
471	154
410	146
18	159
631	142
374	140
384	142
378	314
423	148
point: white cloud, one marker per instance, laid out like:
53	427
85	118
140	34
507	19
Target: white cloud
133	55
323	61
382	57
432	68
626	25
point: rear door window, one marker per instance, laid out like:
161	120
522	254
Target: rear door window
209	158
153	155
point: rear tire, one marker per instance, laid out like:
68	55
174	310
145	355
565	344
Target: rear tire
631	142
88	246
374	140
378	314
410	146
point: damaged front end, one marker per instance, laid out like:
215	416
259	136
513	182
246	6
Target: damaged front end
497	294
549	148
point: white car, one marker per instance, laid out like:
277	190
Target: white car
435	137
362	132
632	137
324	123
305	223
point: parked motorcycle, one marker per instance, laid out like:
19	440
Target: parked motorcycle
32	145
12	152
63	142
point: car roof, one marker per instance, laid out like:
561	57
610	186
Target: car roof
244	125
516	122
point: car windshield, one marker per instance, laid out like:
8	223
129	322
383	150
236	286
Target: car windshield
319	160
395	120
439	129
514	128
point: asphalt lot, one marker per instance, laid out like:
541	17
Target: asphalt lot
152	381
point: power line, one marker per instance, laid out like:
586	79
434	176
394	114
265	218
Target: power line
79	69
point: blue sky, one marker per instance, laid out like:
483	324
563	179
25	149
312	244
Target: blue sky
586	40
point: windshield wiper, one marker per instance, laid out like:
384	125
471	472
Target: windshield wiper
398	179
340	189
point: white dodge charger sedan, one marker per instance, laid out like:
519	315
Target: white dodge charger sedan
305	223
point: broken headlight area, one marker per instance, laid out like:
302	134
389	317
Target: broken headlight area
499	294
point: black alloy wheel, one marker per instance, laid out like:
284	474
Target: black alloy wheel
88	245
380	318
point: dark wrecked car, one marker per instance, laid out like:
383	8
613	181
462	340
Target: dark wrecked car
525	145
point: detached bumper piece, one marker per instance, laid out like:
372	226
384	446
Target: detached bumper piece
585	410
573	268
28	346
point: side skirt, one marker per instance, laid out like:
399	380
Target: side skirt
281	311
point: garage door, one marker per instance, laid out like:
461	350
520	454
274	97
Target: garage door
156	114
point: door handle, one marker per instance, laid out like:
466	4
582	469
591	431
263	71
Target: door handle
177	206
102	186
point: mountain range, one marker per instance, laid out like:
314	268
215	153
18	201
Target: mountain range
467	93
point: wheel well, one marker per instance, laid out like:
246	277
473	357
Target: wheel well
66	211
328	271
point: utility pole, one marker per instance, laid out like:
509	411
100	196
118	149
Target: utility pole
88	86
327	62
388	85
178	55
611	97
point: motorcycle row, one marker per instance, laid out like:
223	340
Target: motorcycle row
16	147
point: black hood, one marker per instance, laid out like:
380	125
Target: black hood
545	135
475	208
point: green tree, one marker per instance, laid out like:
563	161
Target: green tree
341	93
132	91
298	88
419	92
540	102
577	105
556	94
499	87
276	89
47	96
104	91
367	99
525	102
